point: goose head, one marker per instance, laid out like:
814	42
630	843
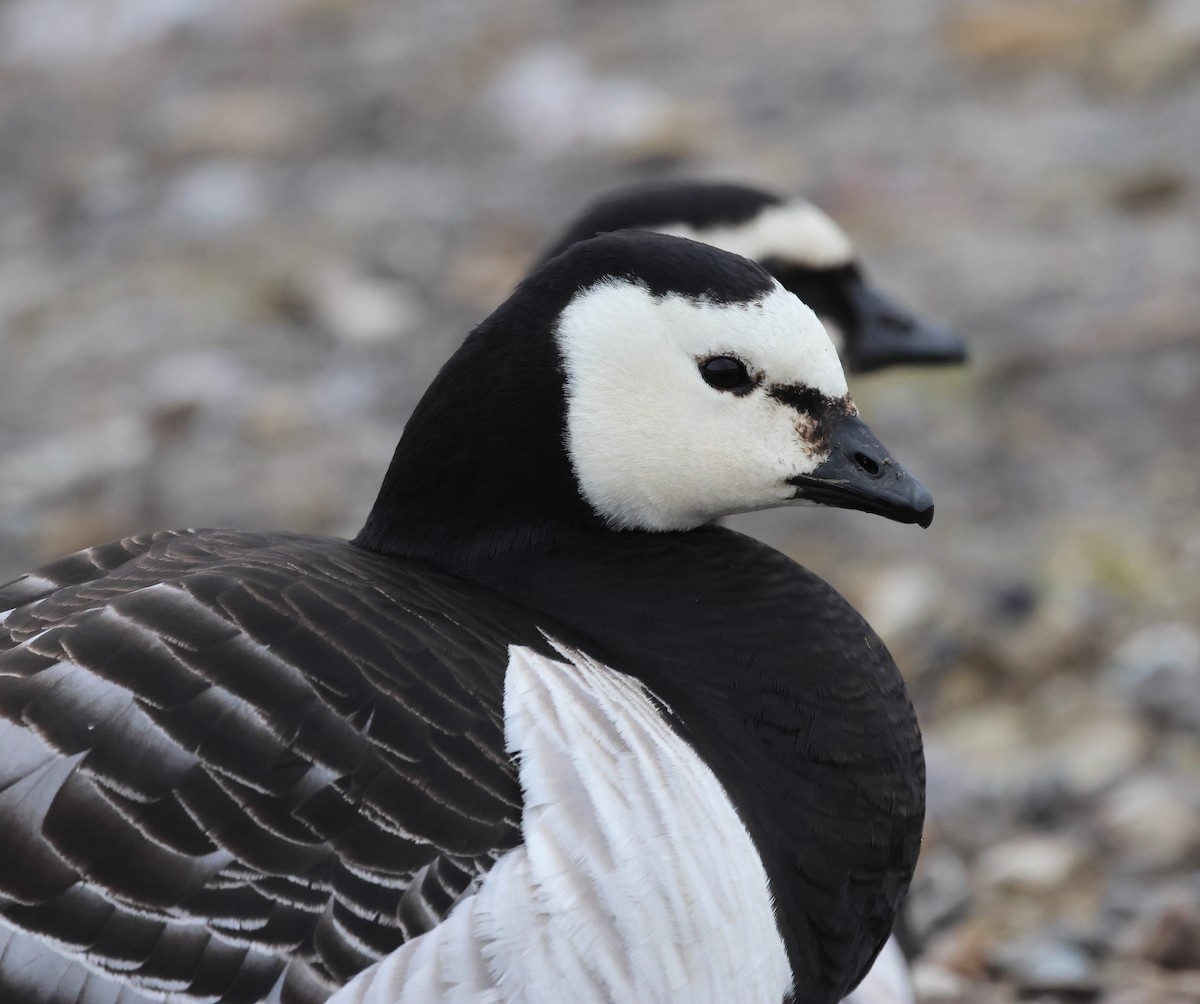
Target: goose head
796	242
636	382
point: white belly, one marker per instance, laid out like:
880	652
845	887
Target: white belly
636	881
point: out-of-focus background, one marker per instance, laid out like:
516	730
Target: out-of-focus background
238	237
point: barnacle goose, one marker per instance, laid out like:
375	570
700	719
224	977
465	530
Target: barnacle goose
541	732
814	258
797	243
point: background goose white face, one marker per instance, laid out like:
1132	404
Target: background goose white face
652	444
796	231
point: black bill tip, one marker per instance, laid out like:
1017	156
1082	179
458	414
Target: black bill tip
860	474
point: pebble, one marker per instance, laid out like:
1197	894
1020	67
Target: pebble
901	600
1165	929
238	122
1150	822
1157	671
1054	31
990	741
1098	751
216	196
1148	190
552	103
1043	963
1162	47
354	306
56	464
932	983
939	895
962	949
48	32
205	378
1035	864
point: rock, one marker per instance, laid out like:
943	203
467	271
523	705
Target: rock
1099	751
933	983
940	893
1157	670
901	599
1035	864
962	949
1142	984
206	378
354	306
551	103
484	278
1156	52
990	743
277	414
964	809
68	528
50	466
239	122
1151	823
49	32
1168	935
1180	18
111	185
1149	190
216	196
1035	31
1173	939
1043	963
1012	603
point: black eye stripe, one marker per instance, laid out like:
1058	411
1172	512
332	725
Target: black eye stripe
726	373
807	400
822	411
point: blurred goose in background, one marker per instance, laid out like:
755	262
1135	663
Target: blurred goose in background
793	240
541	732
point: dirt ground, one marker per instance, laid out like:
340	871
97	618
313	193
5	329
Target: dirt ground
237	238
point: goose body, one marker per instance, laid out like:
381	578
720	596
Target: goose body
796	242
540	732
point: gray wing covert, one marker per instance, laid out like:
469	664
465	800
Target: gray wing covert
239	767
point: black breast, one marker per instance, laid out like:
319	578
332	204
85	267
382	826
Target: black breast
791	698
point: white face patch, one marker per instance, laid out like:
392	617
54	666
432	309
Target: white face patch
652	445
796	231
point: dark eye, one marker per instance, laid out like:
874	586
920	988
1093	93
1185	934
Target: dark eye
726	373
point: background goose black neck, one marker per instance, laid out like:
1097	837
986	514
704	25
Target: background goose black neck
482	468
788	695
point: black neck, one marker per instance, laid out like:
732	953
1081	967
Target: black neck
482	468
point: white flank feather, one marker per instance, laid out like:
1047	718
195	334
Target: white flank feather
637	881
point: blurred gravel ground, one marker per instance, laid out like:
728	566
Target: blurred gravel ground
237	237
